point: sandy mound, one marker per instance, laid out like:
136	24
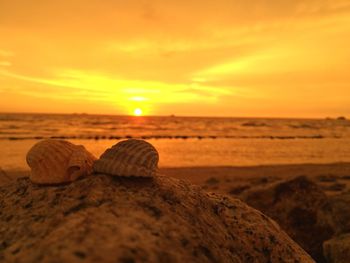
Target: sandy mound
4	178
105	219
303	210
337	250
340	206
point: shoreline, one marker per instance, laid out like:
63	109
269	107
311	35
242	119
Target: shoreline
246	170
333	178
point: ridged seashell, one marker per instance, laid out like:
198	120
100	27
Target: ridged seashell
58	161
129	158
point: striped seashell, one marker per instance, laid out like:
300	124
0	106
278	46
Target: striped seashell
58	161
129	158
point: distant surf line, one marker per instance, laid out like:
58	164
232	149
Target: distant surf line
183	137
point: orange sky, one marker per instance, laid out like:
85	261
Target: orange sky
277	58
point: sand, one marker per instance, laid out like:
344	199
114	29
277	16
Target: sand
333	178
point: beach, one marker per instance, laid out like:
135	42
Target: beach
320	192
295	171
333	178
184	141
175	131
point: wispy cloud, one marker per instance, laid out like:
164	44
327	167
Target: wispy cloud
6	53
176	52
5	63
100	87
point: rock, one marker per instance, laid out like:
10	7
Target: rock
212	180
340	207
239	189
341	118
337	250
336	187
327	178
4	178
301	209
101	218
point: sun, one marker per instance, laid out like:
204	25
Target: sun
138	112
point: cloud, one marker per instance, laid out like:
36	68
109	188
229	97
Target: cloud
6	53
100	87
170	52
5	63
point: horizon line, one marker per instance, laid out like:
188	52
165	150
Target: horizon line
177	116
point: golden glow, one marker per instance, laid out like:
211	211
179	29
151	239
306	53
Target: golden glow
228	58
138	99
138	112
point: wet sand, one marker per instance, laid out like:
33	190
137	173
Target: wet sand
333	178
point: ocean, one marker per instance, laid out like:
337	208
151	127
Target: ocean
184	141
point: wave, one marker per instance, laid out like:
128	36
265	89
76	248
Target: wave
184	137
254	124
304	126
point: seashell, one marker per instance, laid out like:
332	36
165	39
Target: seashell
129	158
58	161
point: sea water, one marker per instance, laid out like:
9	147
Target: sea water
184	141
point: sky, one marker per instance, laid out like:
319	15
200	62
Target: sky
268	58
